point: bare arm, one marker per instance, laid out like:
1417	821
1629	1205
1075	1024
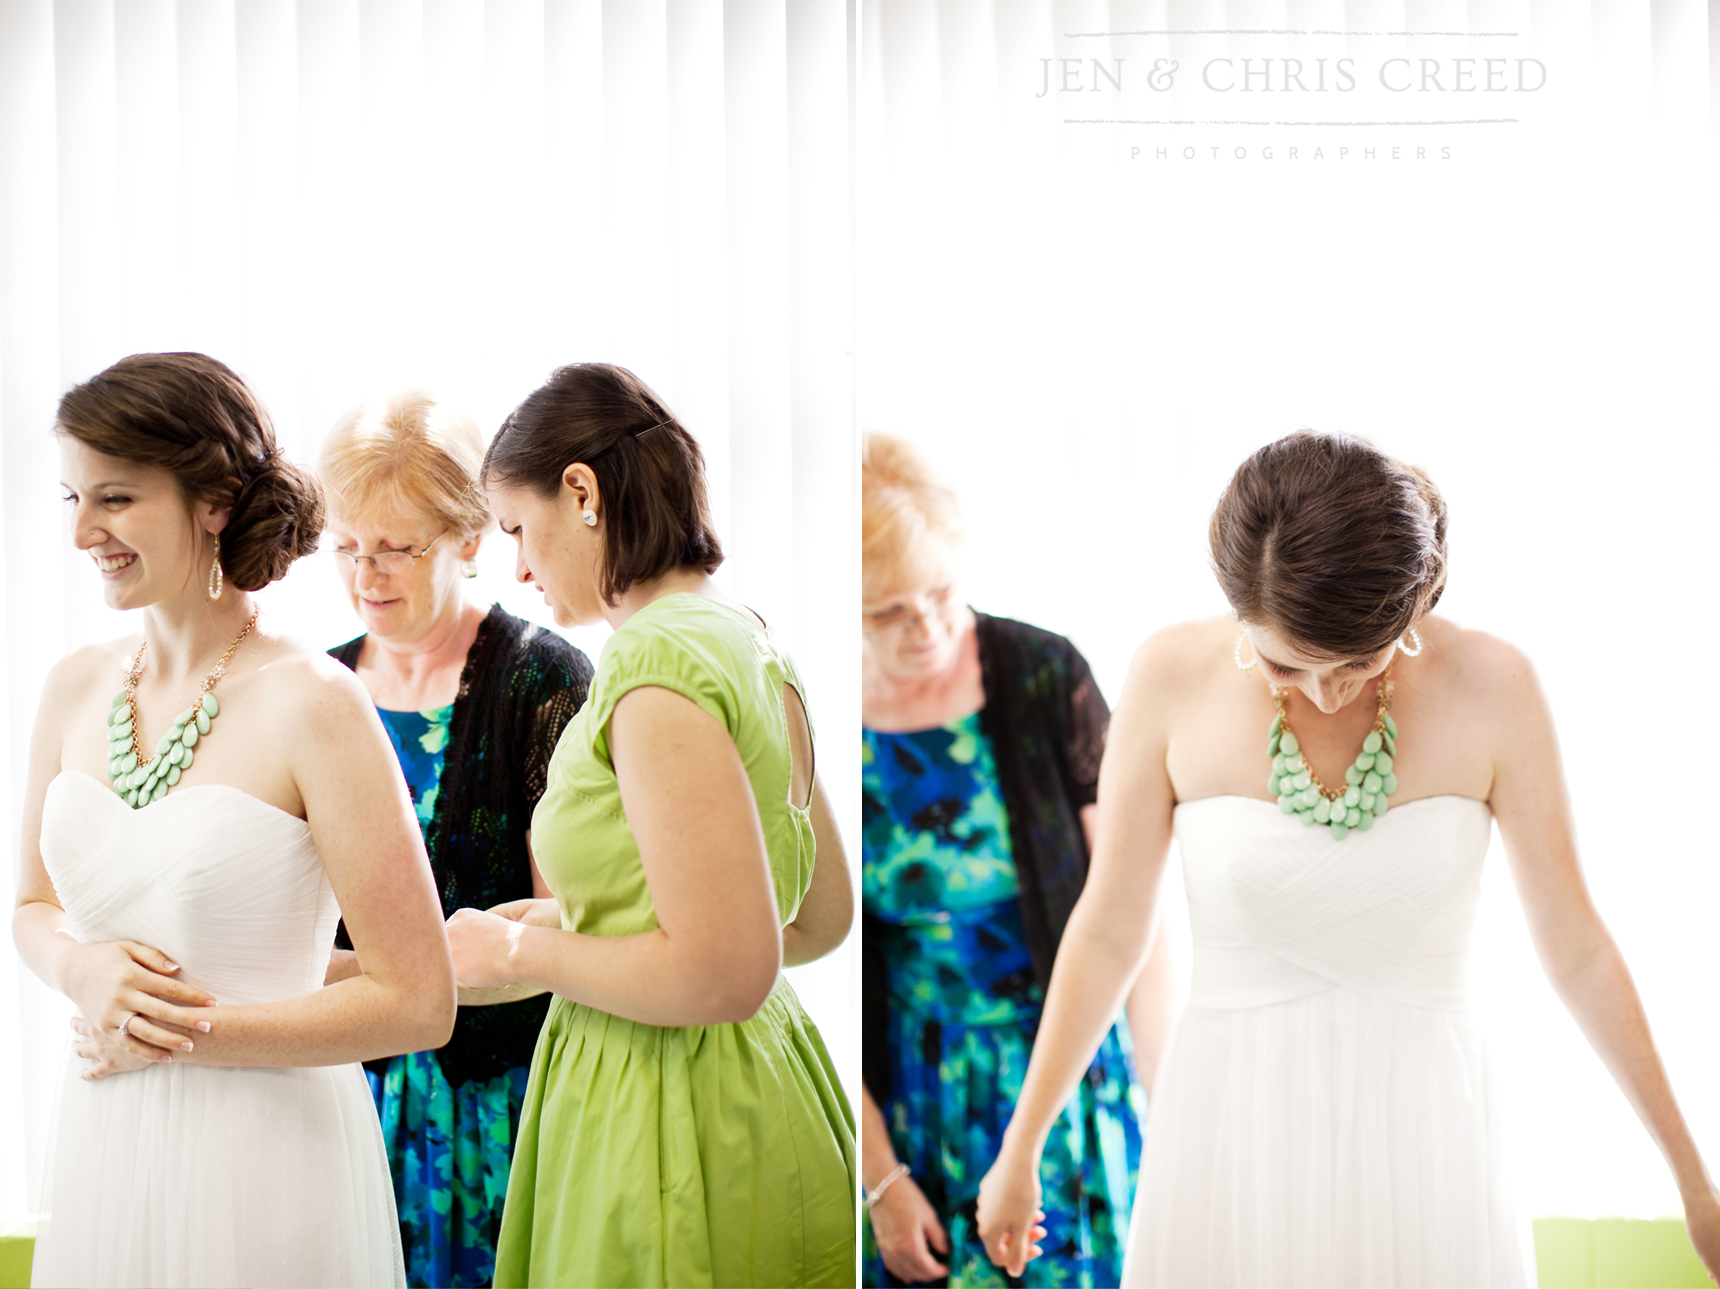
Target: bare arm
1580	958
717	949
1152	1002
1101	953
362	823
904	1224
1152	1006
826	914
343	963
877	1155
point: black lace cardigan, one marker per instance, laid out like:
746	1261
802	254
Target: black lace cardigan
1046	720
518	690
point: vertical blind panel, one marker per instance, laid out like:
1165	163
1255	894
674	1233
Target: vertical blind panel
86	105
274	256
571	258
755	99
210	226
151	243
29	301
697	252
824	479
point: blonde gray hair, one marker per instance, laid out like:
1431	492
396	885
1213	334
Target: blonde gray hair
406	454
905	511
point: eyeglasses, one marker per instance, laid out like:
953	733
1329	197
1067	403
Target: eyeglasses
394	563
932	604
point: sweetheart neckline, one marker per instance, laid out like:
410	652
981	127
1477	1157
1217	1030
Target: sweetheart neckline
106	791
1237	796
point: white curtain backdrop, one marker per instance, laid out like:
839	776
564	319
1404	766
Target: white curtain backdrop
1088	339
344	197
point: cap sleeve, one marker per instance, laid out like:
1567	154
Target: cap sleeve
661	655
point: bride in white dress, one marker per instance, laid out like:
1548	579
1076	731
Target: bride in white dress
217	1130
1322	1113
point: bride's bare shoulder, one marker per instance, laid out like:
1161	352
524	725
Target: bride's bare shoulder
1176	667
1185	653
102	665
302	678
1471	662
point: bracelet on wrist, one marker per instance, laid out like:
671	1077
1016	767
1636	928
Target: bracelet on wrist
890	1178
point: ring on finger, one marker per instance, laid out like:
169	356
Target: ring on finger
124	1025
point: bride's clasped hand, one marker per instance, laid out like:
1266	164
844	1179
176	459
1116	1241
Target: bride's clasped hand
119	979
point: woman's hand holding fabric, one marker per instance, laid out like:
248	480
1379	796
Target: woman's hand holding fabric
121	982
533	912
521	913
483	944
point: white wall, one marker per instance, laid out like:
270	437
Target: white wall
1088	345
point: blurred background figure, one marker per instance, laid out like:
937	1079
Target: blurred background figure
473	702
980	769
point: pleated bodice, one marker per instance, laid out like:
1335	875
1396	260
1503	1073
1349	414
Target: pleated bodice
224	884
1283	912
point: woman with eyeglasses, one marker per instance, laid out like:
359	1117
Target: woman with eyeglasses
980	768
473	702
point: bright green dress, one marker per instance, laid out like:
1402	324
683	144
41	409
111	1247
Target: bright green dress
709	1155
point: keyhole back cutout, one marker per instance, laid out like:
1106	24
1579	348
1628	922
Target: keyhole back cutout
801	765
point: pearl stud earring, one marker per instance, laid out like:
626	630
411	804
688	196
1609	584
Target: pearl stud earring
590	517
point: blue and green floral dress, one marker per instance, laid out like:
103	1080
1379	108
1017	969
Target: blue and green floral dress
938	873
449	1148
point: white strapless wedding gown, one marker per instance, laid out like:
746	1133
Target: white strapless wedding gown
201	1175
1323	1113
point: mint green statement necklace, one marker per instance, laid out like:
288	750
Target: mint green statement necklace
141	779
1368	781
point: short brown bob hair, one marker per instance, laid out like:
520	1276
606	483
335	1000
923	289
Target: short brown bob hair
657	514
1335	545
193	417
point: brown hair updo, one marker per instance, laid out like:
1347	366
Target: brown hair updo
194	417
1332	543
657	516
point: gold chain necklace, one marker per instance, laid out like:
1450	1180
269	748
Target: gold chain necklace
1367	783
141	778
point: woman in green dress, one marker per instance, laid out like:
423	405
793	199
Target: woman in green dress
682	1123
